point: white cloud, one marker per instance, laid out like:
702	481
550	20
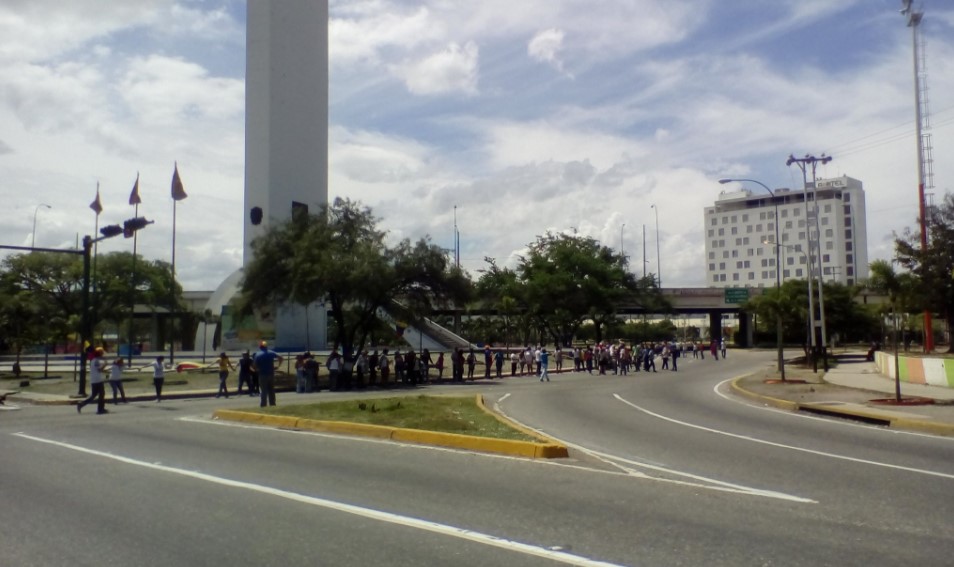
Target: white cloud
546	46
453	69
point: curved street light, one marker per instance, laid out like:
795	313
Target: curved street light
35	211
778	273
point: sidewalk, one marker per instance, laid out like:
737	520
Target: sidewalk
855	389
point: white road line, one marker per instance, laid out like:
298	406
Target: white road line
781	445
701	481
378	515
829	420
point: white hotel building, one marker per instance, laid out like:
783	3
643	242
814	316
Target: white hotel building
740	234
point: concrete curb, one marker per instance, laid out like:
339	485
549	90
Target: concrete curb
870	415
527	449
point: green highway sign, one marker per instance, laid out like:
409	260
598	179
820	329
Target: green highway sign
736	294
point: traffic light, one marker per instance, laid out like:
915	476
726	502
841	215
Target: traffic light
256	215
130	226
111	230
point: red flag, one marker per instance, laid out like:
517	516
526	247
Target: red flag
97	205
134	196
178	191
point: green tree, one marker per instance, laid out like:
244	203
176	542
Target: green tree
118	285
42	296
340	256
933	268
565	280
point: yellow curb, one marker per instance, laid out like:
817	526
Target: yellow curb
547	450
781	404
909	424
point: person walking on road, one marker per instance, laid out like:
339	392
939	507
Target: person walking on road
116	380
224	366
544	364
265	362
97	382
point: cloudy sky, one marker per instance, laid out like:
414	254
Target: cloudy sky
528	115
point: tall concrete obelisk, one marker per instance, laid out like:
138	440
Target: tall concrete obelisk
286	151
286	133
286	110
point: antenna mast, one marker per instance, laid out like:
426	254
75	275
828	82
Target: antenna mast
925	150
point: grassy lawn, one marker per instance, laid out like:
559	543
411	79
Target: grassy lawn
431	413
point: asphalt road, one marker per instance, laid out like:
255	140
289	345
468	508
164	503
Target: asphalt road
666	469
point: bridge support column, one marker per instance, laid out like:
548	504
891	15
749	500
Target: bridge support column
715	325
745	337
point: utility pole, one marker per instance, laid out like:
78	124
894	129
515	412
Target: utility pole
803	164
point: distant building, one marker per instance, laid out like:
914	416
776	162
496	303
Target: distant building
740	234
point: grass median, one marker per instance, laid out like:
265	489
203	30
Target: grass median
459	415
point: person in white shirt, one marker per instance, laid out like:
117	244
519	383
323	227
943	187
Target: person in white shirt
97	382
158	375
116	380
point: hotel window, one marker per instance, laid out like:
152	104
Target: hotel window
721	277
715	277
712	267
721	232
829	233
721	265
847	246
786	273
745	218
798	273
735	230
771	226
848	234
725	253
711	232
847	209
826	258
735	277
828	208
784	213
797	212
712	255
748	229
714	222
751	275
735	253
849	258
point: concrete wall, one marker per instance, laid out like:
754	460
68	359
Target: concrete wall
918	370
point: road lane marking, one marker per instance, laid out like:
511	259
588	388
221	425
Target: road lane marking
782	445
701	481
828	420
406	521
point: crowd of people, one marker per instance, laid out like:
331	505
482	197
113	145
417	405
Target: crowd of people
384	368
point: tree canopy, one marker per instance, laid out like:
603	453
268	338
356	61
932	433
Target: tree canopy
339	256
562	281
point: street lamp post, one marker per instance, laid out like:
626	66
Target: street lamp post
778	275
35	211
658	268
621	252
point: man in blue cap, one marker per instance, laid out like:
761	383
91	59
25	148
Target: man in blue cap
265	361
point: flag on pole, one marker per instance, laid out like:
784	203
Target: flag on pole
97	204
134	196
178	191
